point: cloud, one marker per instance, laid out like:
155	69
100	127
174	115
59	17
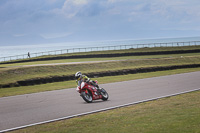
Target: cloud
144	10
71	7
81	8
78	2
19	35
51	1
114	1
54	35
51	19
179	11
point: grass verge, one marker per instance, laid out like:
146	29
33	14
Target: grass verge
177	114
111	58
72	84
18	65
14	75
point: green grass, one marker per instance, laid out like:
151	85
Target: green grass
173	114
102	52
177	114
16	74
12	74
17	65
72	84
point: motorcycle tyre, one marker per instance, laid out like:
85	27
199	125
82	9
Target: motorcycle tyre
103	97
83	95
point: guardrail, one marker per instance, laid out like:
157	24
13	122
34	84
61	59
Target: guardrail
103	48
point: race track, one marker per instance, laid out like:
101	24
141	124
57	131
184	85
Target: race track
16	111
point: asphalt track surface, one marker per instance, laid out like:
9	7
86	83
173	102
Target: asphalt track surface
16	111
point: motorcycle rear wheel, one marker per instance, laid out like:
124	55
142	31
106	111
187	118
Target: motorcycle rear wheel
104	94
86	96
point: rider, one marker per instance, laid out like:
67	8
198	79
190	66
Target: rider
83	78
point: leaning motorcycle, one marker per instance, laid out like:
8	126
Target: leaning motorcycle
90	93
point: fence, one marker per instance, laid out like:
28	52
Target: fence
103	48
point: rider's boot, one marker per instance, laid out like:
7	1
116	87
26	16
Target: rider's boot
98	89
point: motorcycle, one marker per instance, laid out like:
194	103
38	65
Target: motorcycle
90	93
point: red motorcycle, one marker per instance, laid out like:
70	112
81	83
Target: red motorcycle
90	93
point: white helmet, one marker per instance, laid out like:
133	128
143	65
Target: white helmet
78	75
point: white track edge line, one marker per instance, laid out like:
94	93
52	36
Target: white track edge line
96	111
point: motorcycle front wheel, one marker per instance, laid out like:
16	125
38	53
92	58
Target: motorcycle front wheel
104	94
86	96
